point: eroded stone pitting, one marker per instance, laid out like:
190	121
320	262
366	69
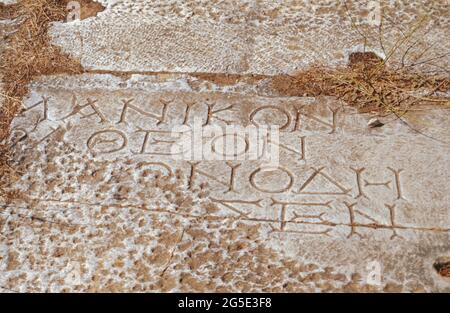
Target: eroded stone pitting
126	216
250	37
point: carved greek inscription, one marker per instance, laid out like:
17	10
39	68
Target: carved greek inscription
391	208
374	224
361	183
232	205
187	111
315	223
127	105
238	144
352	223
50	134
300	151
358	172
299	111
212	113
166	142
268	188
254	116
230	184
44	103
398	186
338	190
17	135
78	109
299	218
377	204
107	141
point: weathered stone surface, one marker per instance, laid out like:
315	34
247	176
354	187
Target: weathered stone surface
113	208
103	204
252	37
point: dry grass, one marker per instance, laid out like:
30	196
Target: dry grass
374	84
8	11
368	84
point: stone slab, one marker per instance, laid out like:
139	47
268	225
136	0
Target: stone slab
252	37
108	207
